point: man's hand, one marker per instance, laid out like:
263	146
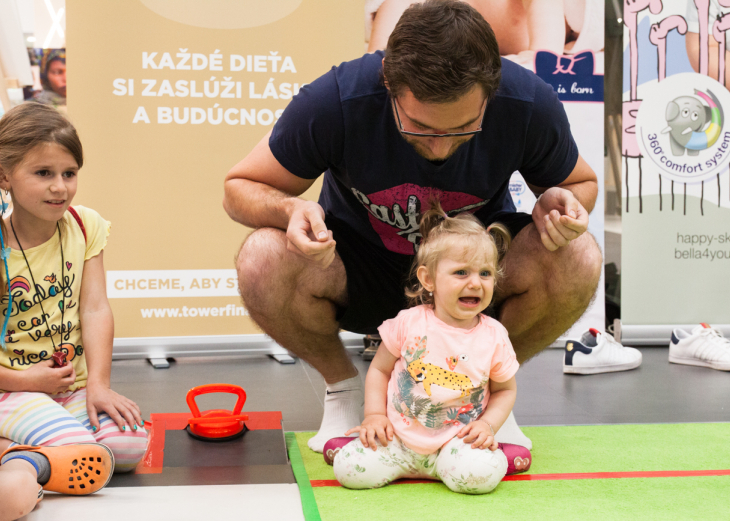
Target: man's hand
479	434
374	425
559	217
44	378
308	236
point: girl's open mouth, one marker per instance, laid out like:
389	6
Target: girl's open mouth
470	301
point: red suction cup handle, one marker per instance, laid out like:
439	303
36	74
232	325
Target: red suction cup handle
215	388
214	420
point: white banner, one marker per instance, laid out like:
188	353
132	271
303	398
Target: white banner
676	207
578	80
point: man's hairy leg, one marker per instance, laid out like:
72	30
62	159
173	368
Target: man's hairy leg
543	293
295	303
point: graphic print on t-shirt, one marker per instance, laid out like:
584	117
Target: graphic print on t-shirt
395	213
412	406
41	326
430	374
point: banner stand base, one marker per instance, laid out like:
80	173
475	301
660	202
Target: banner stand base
161	348
158	349
284	359
645	335
658	335
159	363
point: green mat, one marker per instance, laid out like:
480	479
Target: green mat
558	450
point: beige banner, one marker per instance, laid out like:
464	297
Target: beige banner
167	96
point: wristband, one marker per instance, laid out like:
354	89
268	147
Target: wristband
490	426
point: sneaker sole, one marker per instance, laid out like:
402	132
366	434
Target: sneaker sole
698	363
571	369
369	354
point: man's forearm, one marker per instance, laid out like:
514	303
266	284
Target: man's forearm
258	205
586	193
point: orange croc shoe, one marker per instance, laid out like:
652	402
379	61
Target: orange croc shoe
79	469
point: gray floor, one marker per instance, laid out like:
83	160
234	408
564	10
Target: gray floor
657	392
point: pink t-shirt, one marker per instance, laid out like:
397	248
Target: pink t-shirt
441	379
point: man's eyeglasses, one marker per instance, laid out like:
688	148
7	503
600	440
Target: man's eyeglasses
447	134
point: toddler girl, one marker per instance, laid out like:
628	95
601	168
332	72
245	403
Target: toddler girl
61	426
443	380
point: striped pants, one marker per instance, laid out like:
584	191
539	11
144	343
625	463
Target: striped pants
61	419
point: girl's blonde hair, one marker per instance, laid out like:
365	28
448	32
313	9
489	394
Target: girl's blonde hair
462	236
25	127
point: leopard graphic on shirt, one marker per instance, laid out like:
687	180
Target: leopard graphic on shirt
437	415
429	374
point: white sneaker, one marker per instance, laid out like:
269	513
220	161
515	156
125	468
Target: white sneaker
704	346
598	352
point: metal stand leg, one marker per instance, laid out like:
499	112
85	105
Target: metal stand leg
617	329
159	363
284	358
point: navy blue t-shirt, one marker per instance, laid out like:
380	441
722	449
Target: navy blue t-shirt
342	124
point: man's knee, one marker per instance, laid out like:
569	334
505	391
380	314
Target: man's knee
577	272
259	262
589	263
269	275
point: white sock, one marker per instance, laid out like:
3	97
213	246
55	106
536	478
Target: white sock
510	433
343	410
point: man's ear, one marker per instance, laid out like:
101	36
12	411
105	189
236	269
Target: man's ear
424	278
385	80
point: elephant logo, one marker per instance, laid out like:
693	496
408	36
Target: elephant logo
692	125
681	129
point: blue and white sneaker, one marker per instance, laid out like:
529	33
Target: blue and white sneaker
598	352
703	346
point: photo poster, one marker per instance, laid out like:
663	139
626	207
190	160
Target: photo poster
573	66
168	95
676	148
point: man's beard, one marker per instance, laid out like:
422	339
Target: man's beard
425	152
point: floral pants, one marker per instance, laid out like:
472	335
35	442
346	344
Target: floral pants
461	468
